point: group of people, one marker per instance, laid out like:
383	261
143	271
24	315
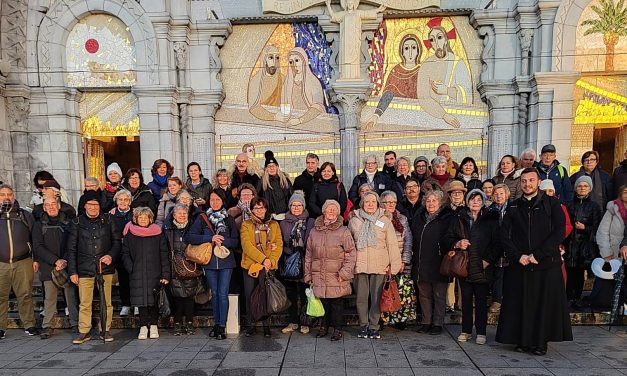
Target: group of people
392	223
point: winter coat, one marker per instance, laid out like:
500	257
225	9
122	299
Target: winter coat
483	235
419	177
50	243
325	190
405	242
534	226
305	182
166	204
121	218
202	190
287	225
19	224
607	190
145	257
558	174
250	253
81	202
381	182
330	254
200	233
581	245
142	197
432	184
611	231
619	178
400	181
237	180
157	188
428	248
66	208
277	196
375	259
512	180
473	182
108	193
408	209
89	239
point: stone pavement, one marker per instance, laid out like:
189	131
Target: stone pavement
595	351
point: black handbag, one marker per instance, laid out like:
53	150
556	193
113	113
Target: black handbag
276	296
163	302
184	288
258	308
291	266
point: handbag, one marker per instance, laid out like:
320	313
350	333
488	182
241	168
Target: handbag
258	310
276	296
390	298
162	300
185	288
291	266
201	253
203	293
183	268
457	265
314	304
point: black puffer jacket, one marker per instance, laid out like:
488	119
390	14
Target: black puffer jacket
277	196
16	247
483	235
428	249
142	197
89	240
50	242
146	260
326	190
175	238
581	246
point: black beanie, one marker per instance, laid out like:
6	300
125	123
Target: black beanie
91	196
270	158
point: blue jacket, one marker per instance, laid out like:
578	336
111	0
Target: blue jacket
559	175
199	233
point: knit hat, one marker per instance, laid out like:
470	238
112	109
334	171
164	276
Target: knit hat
421	158
114	167
328	203
270	158
297	196
91	196
547	184
473	193
583	179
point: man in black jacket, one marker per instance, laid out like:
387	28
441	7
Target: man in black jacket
534	309
93	245
16	264
49	247
242	173
305	181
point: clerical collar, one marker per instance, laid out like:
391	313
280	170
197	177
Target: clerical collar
529	197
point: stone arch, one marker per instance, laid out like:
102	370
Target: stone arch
62	17
565	32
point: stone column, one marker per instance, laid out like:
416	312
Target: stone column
6	162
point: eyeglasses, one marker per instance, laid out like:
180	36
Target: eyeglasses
297	205
589	160
370	163
456	193
413	186
259	208
388	202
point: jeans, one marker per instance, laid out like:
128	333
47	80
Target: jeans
432	297
50	303
368	286
19	276
219	281
477	292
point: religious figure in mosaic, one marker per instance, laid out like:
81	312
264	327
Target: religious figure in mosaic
444	75
249	149
264	87
350	35
302	97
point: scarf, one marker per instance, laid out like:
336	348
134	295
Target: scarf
111	188
161	180
328	222
370	178
217	218
180	226
396	222
441	179
367	236
621	209
140	231
244	208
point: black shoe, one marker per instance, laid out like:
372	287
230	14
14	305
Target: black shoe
540	351
214	331
364	332
189	329
221	334
2	334
322	332
435	330
47	333
32	331
337	335
177	329
400	326
521	349
251	331
266	332
424	328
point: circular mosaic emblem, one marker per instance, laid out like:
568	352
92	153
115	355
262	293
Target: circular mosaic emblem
91	45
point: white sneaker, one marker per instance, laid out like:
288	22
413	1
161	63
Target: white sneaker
154	332
304	329
289	328
67	311
125	311
464	337
481	339
143	333
136	312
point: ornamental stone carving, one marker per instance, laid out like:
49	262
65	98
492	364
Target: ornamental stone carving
180	50
13	32
18	109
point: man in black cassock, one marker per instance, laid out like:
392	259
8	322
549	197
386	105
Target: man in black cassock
534	309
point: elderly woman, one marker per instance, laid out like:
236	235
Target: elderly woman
603	189
377	255
262	246
403	278
488	189
377	180
183	289
403	173
122	214
500	204
585	215
509	175
439	178
185	198
328	187
295	229
141	195
421	169
168	200
611	230
329	266
161	171
275	186
197	185
475	229
222	232
428	229
145	257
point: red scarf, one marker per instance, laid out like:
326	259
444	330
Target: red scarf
442	179
621	209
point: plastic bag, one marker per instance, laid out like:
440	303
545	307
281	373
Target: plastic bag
314	304
276	296
163	302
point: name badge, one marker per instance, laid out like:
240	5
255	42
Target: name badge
379	224
381	186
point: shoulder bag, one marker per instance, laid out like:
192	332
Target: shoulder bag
390	298
201	253
457	265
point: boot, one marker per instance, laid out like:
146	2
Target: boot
177	329
189	330
214	331
221	333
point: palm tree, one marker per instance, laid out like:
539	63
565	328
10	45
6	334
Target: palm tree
612	23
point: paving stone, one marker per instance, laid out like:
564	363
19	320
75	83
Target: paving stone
516	371
444	359
174	363
267	359
313	371
246	372
379	372
585	372
422	371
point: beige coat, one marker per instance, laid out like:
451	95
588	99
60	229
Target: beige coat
330	259
374	260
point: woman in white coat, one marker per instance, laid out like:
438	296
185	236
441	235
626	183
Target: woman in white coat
612	227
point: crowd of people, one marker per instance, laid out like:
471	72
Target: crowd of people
530	233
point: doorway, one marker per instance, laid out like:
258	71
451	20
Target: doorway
123	150
610	143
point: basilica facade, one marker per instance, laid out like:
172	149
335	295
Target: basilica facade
88	82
